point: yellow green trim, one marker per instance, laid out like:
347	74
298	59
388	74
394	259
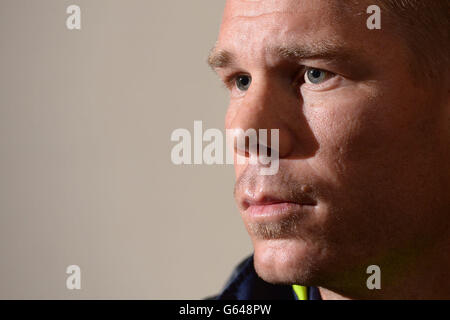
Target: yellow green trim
301	292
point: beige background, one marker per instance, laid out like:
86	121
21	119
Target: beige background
85	170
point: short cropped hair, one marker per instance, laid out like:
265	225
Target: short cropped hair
424	24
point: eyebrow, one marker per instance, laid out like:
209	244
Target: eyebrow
328	50
220	58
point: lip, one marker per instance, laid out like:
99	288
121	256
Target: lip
266	207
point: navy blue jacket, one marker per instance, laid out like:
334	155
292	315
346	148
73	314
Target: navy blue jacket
245	284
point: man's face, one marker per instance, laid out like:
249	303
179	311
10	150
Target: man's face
361	178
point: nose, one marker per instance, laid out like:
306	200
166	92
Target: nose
265	106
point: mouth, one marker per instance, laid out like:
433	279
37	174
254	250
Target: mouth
265	208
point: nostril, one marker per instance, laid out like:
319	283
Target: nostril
251	144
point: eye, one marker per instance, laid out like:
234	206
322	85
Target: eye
243	82
315	76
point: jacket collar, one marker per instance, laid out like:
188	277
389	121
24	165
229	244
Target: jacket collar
245	284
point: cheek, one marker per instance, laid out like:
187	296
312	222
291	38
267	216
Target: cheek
373	147
351	129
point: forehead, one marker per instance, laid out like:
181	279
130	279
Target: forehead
254	8
251	24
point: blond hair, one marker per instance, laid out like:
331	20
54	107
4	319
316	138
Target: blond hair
424	24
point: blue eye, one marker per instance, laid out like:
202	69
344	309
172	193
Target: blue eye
243	82
315	76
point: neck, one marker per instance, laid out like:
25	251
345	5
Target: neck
424	277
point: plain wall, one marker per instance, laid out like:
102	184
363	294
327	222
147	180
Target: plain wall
86	176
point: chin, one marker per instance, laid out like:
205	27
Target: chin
286	261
